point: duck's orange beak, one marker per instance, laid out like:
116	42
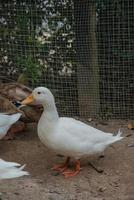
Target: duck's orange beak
28	100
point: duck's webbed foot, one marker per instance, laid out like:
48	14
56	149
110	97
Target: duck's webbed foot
61	167
71	173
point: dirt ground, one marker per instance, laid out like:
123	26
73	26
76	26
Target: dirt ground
116	182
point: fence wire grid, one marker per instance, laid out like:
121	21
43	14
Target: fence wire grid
83	50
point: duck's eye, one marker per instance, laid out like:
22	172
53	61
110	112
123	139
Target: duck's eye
38	92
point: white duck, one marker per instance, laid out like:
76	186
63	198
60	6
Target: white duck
6	121
67	136
11	170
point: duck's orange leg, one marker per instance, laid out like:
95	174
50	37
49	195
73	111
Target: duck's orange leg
69	173
62	167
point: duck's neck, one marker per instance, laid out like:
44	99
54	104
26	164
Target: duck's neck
50	112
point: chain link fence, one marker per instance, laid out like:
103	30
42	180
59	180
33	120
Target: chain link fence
83	50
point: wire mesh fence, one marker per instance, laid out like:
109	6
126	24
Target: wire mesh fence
82	50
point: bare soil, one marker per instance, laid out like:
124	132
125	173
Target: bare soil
116	182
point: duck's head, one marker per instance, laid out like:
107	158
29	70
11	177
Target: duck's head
41	95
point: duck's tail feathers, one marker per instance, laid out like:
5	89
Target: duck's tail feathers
117	137
11	170
119	133
15	117
5	164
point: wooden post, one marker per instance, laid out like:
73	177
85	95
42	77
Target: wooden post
87	58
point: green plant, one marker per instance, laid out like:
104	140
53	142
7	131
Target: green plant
29	66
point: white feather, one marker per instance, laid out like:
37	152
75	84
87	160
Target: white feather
11	170
6	121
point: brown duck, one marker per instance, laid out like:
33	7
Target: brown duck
10	96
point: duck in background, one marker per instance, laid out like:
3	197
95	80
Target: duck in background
14	91
67	136
11	94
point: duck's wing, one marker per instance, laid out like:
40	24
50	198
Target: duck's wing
3	131
11	170
14	91
82	132
7	120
